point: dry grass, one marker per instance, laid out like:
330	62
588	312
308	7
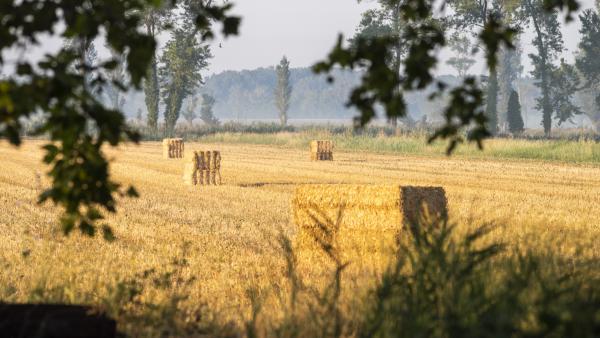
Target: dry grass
232	229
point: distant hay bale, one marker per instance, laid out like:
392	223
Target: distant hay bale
321	150
202	168
361	220
173	148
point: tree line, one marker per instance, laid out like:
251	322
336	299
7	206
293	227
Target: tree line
559	82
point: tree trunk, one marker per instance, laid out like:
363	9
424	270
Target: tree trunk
151	89
545	86
491	109
398	54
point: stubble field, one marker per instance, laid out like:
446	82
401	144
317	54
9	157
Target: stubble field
230	235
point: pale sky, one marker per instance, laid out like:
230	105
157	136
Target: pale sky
306	30
303	30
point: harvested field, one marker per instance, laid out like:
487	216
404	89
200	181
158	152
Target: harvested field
231	230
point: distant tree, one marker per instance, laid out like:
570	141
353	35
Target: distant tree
491	108
564	85
154	19
206	111
189	114
588	63
385	21
470	15
509	72
463	49
514	117
549	44
116	81
283	91
87	61
183	59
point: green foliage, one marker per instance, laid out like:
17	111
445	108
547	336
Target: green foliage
588	61
514	117
283	91
549	43
441	286
206	111
466	105
62	86
115	89
490	16
509	77
373	23
565	83
383	85
155	19
183	59
386	21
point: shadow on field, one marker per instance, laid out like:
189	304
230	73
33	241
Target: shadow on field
54	321
266	184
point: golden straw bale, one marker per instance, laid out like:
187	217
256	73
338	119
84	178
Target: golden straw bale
321	150
202	168
173	148
361	222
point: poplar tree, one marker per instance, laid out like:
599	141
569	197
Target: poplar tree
283	91
588	63
206	110
549	44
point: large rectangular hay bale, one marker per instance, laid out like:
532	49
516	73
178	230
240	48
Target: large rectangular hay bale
360	220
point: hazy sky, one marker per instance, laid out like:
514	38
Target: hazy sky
305	31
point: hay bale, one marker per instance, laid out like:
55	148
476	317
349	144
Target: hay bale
321	150
360	220
202	168
173	148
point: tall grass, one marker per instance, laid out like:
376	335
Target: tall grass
584	151
445	285
441	284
